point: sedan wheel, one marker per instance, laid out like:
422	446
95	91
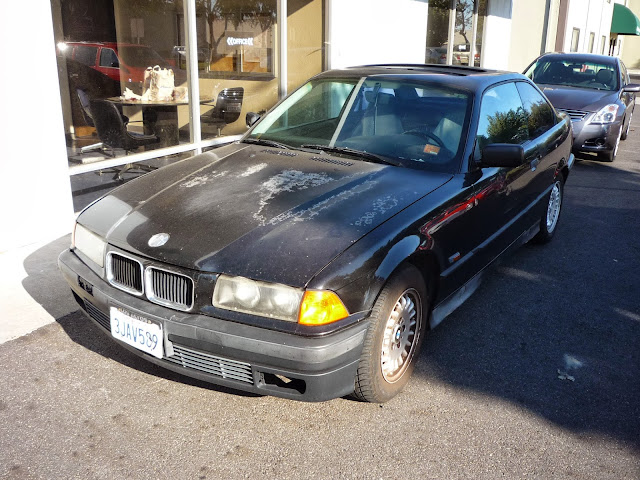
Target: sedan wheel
625	134
611	156
393	338
550	217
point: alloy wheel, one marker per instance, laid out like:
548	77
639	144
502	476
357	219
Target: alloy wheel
401	335
553	209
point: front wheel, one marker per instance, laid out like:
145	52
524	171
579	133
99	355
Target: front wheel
611	156
393	340
625	134
550	217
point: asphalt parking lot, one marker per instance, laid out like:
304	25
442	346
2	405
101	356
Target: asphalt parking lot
535	376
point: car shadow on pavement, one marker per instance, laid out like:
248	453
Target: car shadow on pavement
45	284
555	328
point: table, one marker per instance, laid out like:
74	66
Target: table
159	118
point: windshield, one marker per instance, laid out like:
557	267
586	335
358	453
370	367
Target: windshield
412	124
141	57
571	73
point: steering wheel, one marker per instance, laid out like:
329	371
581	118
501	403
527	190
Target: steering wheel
418	132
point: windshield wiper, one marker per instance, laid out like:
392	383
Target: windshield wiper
268	143
353	152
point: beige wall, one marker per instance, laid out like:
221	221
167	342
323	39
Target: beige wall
527	28
305	41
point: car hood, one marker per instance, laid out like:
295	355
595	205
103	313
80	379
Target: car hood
259	212
574	98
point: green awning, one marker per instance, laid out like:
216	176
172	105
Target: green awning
624	21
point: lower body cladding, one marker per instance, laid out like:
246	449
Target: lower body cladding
225	353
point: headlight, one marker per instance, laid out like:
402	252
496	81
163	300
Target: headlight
89	244
278	301
606	114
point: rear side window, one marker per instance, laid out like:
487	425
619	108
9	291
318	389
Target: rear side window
86	55
540	116
108	58
502	117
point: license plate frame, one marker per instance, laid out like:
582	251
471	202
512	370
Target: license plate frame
137	331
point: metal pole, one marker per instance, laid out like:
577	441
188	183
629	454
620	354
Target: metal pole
193	85
452	31
282	47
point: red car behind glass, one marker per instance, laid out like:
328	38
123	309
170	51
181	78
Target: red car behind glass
123	62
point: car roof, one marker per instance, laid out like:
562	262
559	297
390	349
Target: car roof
467	78
581	57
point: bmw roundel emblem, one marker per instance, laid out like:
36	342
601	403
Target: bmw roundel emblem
158	239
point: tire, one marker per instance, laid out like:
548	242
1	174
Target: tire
611	156
625	134
551	215
393	340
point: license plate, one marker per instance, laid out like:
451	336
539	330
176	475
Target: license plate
137	331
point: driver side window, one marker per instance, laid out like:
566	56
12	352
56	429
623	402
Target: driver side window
503	118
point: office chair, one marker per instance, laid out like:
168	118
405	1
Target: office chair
113	132
226	110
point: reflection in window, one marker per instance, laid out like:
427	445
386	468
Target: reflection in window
540	116
437	31
239	35
466	13
502	117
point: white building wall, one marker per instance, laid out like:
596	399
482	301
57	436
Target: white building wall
497	28
377	31
589	16
35	195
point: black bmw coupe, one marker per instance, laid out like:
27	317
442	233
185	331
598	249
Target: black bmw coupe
309	259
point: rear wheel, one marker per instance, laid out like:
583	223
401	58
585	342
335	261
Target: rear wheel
393	340
550	217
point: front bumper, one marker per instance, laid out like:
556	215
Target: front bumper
595	138
264	361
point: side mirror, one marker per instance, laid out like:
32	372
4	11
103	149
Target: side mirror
251	118
502	155
631	88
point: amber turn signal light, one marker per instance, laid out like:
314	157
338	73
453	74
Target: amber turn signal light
320	308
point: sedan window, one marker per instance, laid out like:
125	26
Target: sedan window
414	125
583	74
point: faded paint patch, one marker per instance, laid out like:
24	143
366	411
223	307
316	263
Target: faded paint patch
330	202
287	181
380	207
201	179
253	169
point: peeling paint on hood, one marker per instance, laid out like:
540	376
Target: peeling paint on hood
244	211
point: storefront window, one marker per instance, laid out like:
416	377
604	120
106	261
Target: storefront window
468	30
437	31
122	92
236	62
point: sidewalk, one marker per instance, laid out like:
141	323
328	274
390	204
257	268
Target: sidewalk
32	291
